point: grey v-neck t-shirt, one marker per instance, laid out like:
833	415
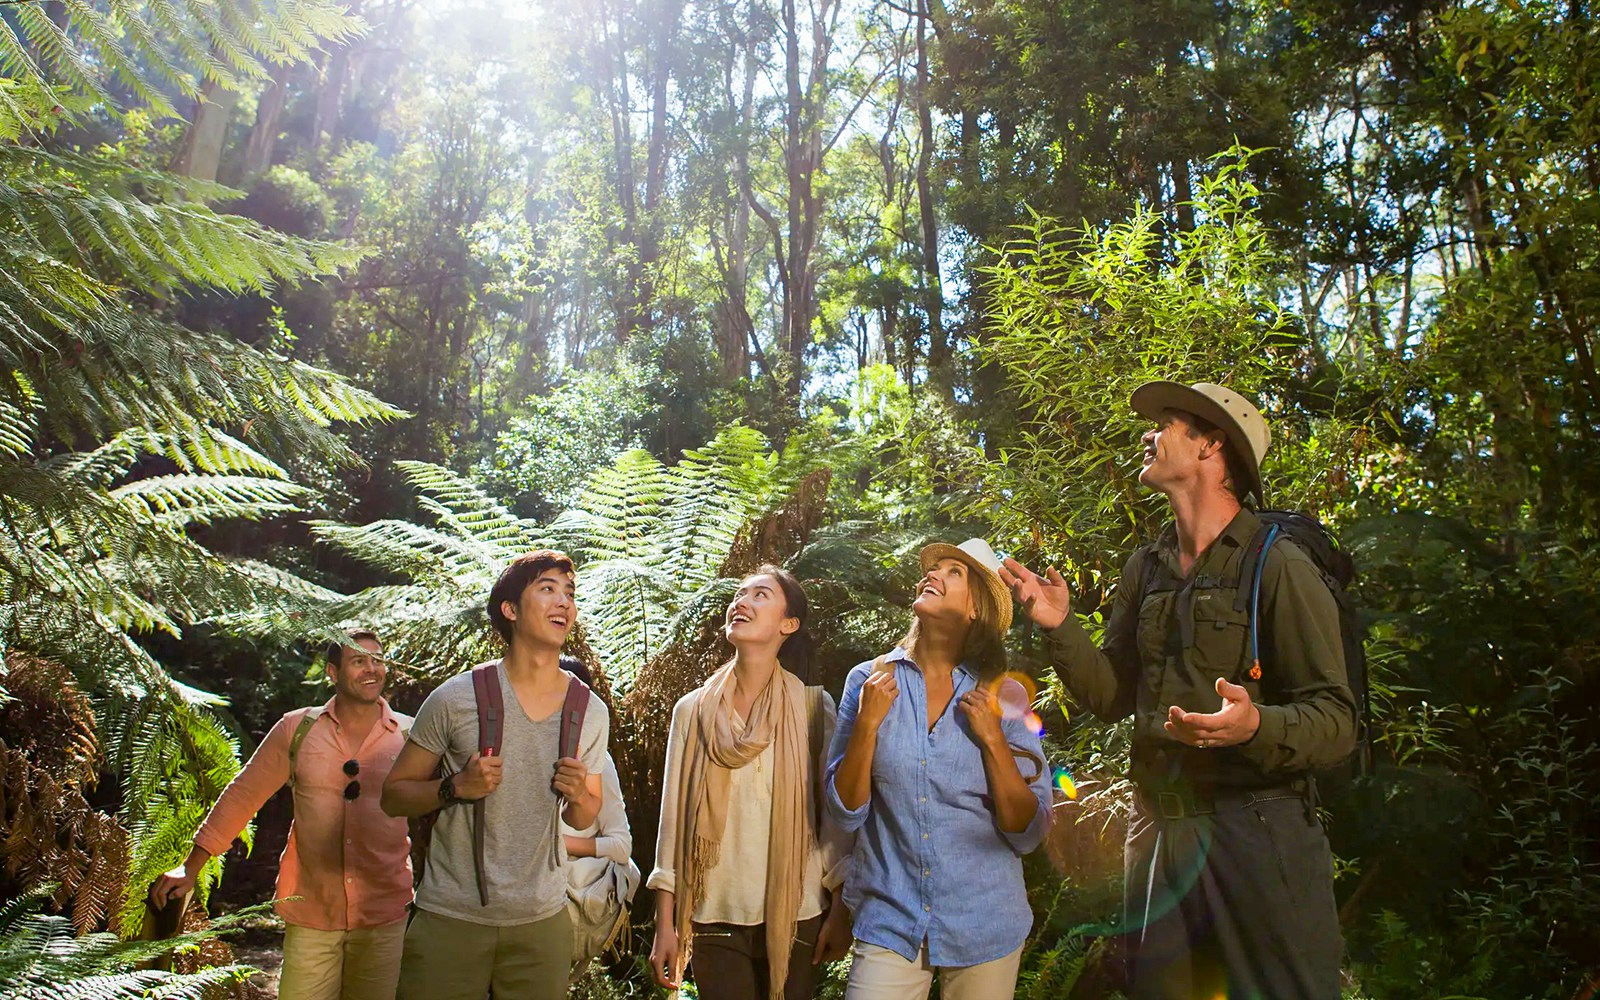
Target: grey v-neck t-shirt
524	858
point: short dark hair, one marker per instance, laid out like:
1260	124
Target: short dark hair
514	579
1238	478
335	654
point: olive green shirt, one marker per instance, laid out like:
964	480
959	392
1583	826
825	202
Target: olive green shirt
1308	715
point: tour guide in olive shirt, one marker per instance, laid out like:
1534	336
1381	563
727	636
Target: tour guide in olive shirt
1229	880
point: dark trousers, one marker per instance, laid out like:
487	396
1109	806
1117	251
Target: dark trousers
730	961
1236	904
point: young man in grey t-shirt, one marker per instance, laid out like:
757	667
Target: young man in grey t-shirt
519	944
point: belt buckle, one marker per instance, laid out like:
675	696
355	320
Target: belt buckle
1171	805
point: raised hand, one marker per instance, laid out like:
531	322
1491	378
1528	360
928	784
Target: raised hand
1046	599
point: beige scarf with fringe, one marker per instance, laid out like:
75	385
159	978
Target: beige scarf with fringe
714	751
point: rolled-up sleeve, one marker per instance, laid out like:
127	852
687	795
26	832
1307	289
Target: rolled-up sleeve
266	772
848	820
1020	737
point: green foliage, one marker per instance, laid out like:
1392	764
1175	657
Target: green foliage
174	763
123	433
650	540
585	420
41	958
155	53
1079	318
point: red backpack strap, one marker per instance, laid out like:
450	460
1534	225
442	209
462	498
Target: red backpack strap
491	720
491	707
572	712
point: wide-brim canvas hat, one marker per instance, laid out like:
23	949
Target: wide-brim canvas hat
980	558
1246	429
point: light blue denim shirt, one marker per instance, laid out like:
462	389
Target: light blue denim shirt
931	861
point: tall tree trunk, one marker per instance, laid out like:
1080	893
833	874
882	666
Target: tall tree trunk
620	92
263	139
201	151
736	324
939	373
796	315
325	119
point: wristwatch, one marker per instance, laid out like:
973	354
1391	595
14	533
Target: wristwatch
447	791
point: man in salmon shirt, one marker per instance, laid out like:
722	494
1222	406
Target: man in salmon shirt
348	861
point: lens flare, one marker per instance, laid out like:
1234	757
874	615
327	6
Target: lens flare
1065	783
1015	691
1034	724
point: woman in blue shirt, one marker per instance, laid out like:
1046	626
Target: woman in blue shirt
927	771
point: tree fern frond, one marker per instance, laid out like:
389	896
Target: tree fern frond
202	499
16	428
402	547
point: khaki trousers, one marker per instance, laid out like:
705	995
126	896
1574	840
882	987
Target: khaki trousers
880	974
362	964
450	959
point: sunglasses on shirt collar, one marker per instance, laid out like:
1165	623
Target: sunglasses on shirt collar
352	791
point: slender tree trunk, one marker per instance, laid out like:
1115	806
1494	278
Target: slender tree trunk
200	154
737	327
263	139
939	373
796	316
620	91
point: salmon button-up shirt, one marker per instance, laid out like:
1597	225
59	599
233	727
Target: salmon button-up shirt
350	863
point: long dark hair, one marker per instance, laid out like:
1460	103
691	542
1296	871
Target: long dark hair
799	650
984	649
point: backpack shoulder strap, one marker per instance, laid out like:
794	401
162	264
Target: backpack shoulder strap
491	705
572	713
1250	574
307	720
1255	556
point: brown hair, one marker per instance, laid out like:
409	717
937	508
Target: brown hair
514	579
984	648
335	654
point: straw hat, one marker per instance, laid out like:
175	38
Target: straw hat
979	557
1244	426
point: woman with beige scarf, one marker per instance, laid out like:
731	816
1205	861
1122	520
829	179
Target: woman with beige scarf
745	861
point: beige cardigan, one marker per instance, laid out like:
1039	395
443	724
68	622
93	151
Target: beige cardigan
735	890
